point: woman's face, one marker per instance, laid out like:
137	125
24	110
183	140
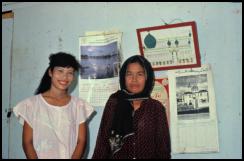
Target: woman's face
62	77
135	78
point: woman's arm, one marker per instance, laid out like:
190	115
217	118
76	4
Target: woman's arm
27	142
102	147
81	142
163	136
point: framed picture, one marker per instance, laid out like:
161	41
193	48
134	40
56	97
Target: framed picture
170	46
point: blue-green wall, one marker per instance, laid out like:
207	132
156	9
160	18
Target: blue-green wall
43	28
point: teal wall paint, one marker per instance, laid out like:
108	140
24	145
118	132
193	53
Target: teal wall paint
44	28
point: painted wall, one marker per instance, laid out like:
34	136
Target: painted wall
44	28
6	70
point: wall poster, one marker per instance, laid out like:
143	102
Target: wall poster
161	93
100	58
193	115
172	46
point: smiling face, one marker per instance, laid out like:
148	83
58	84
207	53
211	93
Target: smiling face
61	77
135	78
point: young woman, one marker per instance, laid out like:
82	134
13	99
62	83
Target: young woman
54	121
133	125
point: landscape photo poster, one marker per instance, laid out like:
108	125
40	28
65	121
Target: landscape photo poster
100	58
193	115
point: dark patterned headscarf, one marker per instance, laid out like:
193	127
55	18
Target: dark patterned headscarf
122	125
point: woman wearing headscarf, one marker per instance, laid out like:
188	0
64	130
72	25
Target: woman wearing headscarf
133	125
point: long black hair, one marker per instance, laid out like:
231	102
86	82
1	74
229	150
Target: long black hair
60	59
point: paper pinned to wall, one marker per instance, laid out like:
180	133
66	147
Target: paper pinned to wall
161	93
100	58
193	115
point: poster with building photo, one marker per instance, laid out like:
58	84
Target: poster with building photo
193	115
161	93
100	60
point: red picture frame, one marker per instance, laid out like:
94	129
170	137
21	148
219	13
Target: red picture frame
171	46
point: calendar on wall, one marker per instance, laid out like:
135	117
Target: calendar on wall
100	58
193	113
170	46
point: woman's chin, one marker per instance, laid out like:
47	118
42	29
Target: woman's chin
134	91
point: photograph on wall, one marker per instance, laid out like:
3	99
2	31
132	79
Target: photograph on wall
161	93
193	114
100	58
192	97
171	46
99	62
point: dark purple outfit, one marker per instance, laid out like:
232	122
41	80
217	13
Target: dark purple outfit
151	139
